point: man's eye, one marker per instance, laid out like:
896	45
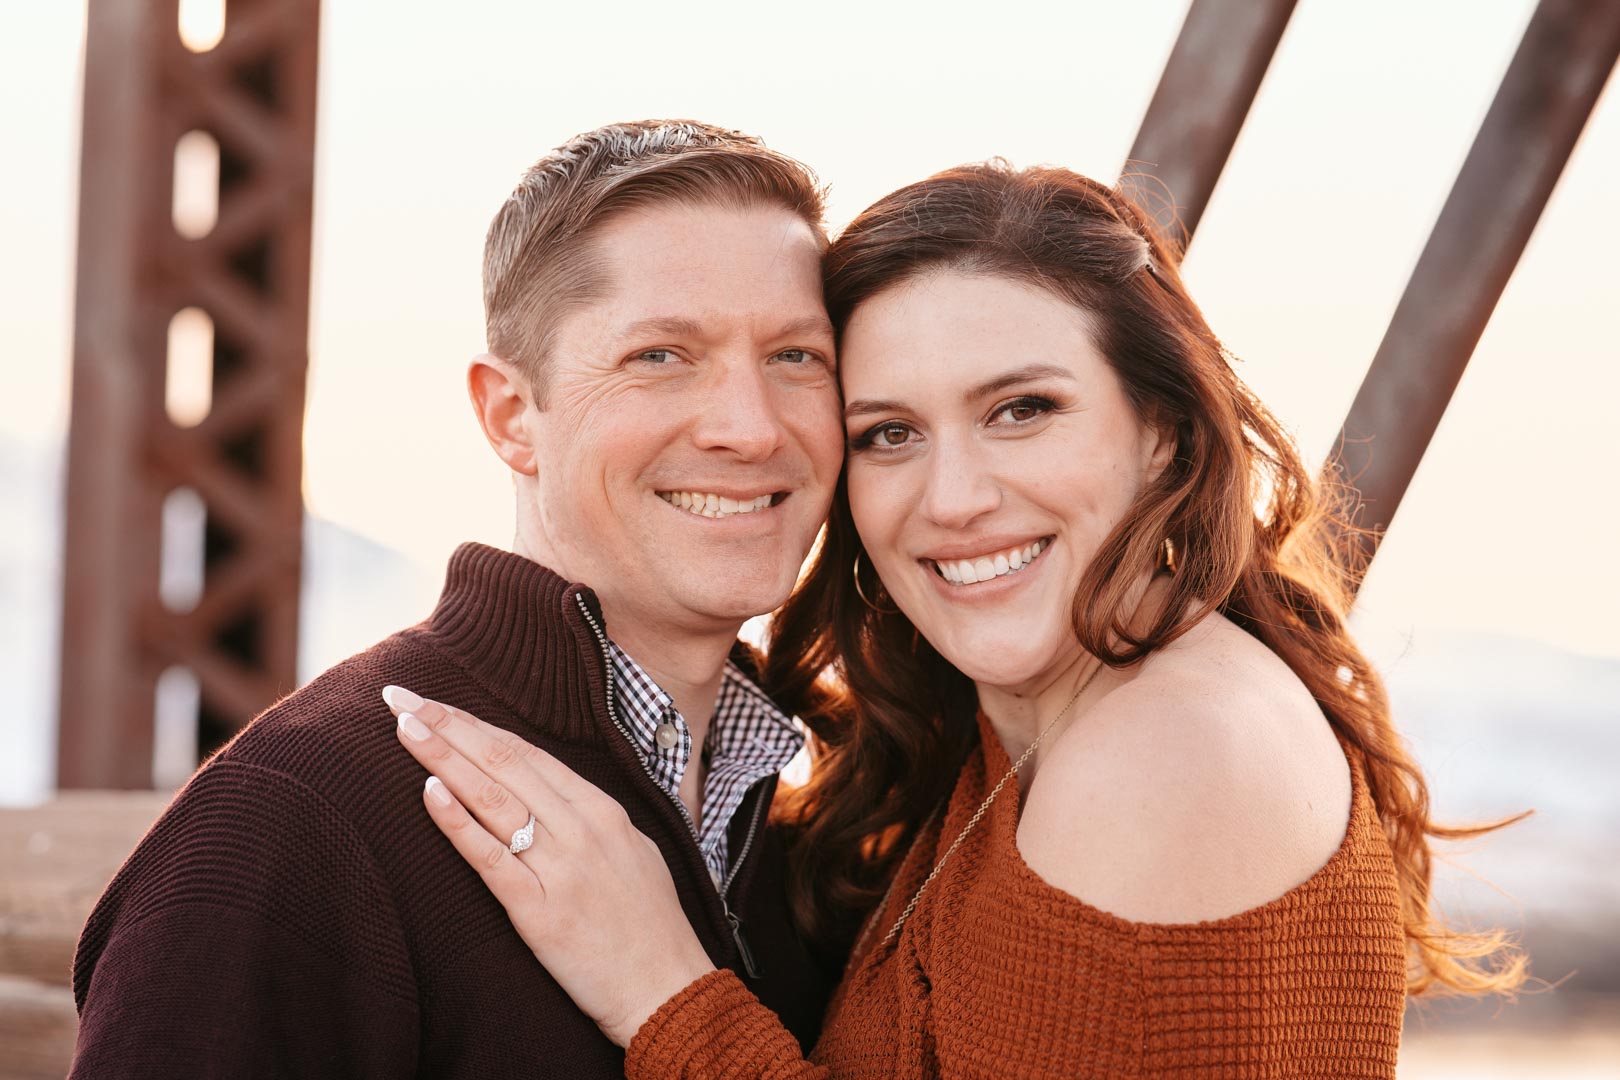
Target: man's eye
795	356
657	356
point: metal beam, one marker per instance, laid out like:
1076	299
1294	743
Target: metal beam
1204	95
253	94
1567	53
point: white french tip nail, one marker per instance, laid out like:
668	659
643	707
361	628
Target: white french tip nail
402	699
436	791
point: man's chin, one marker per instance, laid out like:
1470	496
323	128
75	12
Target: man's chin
720	599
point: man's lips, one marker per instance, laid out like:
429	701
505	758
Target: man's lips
714	504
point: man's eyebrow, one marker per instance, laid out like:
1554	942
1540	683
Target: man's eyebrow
678	326
673	325
1028	373
808	326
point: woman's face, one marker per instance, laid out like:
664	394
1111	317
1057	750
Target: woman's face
992	449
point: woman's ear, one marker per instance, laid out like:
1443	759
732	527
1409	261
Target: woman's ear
1159	438
502	400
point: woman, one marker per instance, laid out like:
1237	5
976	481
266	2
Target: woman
1105	783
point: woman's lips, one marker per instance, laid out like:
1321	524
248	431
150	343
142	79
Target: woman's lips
990	565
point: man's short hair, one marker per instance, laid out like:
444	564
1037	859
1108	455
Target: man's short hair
538	260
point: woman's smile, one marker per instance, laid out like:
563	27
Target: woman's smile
987	564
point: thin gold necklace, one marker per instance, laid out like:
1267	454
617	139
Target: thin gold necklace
980	812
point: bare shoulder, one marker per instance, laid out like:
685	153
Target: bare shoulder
1208	785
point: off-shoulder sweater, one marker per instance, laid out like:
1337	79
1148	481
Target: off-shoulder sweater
999	973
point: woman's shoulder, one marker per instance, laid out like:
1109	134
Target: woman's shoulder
1206	786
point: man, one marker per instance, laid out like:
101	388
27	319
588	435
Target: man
660	383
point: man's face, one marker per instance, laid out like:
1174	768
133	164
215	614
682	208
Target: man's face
691	434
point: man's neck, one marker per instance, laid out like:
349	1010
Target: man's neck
686	666
689	668
687	662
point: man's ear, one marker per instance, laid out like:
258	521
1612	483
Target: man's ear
501	398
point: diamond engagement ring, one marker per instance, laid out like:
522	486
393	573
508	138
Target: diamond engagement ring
523	839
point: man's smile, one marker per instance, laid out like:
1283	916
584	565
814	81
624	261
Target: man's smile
711	504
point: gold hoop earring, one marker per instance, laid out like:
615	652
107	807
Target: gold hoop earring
860	592
1169	554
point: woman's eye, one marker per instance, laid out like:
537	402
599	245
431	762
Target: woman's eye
657	356
890	436
893	435
1024	409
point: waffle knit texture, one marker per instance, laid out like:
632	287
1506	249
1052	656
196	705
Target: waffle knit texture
999	974
296	913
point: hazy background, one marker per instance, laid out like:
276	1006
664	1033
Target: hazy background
1491	605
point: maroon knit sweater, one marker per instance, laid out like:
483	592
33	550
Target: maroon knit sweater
296	913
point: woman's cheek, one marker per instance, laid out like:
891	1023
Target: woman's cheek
877	503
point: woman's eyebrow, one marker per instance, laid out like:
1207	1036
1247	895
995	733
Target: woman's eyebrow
1028	373
1024	374
868	405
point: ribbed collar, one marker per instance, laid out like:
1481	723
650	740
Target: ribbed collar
517	628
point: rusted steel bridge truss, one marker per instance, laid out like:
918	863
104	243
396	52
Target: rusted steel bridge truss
236	271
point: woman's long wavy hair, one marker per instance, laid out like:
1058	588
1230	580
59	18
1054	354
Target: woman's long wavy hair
1256	538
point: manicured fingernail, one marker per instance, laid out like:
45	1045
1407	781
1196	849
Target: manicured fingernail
436	791
401	699
413	728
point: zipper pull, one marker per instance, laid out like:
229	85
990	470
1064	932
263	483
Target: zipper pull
742	944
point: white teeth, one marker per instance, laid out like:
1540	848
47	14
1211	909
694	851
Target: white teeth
973	571
705	504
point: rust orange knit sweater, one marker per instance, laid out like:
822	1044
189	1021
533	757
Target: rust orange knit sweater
998	973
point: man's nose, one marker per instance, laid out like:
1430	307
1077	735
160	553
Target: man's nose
741	414
961	486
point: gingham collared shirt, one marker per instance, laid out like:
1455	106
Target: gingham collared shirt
749	739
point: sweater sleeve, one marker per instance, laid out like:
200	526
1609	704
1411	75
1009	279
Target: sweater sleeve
716	1028
248	935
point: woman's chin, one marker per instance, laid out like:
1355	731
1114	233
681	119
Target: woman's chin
995	665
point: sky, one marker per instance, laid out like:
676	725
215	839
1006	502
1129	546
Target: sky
429	115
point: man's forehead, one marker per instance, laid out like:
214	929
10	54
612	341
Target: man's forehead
705	272
681	230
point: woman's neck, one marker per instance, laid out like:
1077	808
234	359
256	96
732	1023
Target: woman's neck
1018	714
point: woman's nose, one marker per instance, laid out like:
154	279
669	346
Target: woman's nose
961	487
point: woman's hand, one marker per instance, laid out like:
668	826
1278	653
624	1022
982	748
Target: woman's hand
591	895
